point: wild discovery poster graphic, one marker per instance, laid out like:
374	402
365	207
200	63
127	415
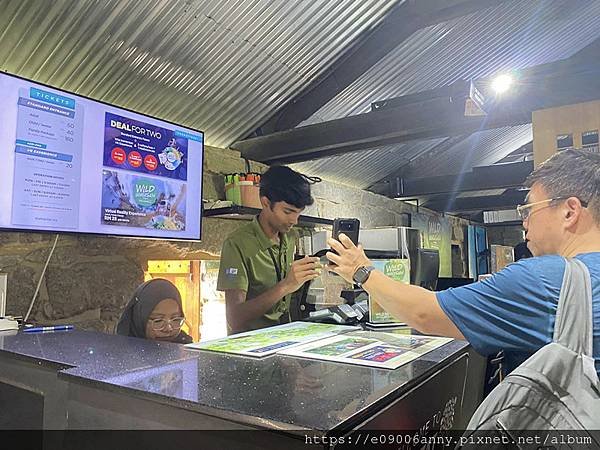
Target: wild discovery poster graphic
138	201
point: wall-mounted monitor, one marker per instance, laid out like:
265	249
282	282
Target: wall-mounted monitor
76	165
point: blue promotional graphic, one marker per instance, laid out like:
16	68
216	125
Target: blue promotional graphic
140	147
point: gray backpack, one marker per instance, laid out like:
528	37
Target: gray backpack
556	389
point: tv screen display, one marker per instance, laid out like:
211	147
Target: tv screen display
71	164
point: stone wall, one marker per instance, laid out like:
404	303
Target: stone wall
89	279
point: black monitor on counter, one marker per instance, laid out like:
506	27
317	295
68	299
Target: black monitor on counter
426	268
444	283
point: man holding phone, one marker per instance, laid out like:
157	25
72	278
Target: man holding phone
515	309
257	272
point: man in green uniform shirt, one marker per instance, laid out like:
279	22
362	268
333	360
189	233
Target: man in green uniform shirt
257	271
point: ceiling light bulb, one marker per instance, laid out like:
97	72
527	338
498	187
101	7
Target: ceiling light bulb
502	83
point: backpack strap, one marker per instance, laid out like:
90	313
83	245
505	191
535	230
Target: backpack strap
574	326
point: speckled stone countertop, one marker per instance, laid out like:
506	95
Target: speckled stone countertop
278	391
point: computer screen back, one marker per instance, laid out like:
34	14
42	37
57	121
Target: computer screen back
427	267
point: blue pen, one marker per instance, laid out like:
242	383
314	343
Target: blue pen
46	329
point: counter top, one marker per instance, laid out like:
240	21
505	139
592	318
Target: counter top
107	354
279	392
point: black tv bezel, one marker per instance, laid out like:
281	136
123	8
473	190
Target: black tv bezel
123	236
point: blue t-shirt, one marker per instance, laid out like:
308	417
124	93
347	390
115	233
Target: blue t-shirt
515	309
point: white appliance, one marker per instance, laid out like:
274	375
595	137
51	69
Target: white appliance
403	239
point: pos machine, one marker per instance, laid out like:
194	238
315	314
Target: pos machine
329	298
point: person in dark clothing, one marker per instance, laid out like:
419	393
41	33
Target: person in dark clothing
521	251
154	312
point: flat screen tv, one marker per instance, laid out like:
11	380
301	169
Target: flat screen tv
76	165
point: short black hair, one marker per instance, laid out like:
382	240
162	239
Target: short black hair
282	184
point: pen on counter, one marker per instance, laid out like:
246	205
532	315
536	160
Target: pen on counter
47	329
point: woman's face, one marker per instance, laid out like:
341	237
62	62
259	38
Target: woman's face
160	324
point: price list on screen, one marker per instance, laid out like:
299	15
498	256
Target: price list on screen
48	147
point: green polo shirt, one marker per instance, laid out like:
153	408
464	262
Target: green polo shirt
248	262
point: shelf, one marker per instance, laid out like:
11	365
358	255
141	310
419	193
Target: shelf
510	223
246	213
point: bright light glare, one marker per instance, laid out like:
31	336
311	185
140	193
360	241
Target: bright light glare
502	83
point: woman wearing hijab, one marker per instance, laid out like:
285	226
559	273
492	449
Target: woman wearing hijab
154	312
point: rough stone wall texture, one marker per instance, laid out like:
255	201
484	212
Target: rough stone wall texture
90	279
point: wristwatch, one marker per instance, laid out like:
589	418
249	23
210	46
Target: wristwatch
362	274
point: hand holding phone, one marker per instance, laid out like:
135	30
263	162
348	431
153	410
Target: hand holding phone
350	227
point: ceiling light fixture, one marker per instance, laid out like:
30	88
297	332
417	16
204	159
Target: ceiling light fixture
502	83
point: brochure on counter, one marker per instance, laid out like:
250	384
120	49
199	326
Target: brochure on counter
367	348
266	341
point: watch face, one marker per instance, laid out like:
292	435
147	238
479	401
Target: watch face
361	275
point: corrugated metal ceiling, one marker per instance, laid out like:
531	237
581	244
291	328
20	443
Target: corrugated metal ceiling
364	168
220	66
226	66
513	35
483	148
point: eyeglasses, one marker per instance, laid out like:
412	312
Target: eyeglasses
525	210
161	324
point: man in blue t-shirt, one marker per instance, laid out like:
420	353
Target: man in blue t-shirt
515	309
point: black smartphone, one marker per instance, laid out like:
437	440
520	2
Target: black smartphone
350	227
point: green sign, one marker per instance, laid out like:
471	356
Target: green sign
144	192
396	269
436	234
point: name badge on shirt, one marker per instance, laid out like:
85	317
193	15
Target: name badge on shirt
231	272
